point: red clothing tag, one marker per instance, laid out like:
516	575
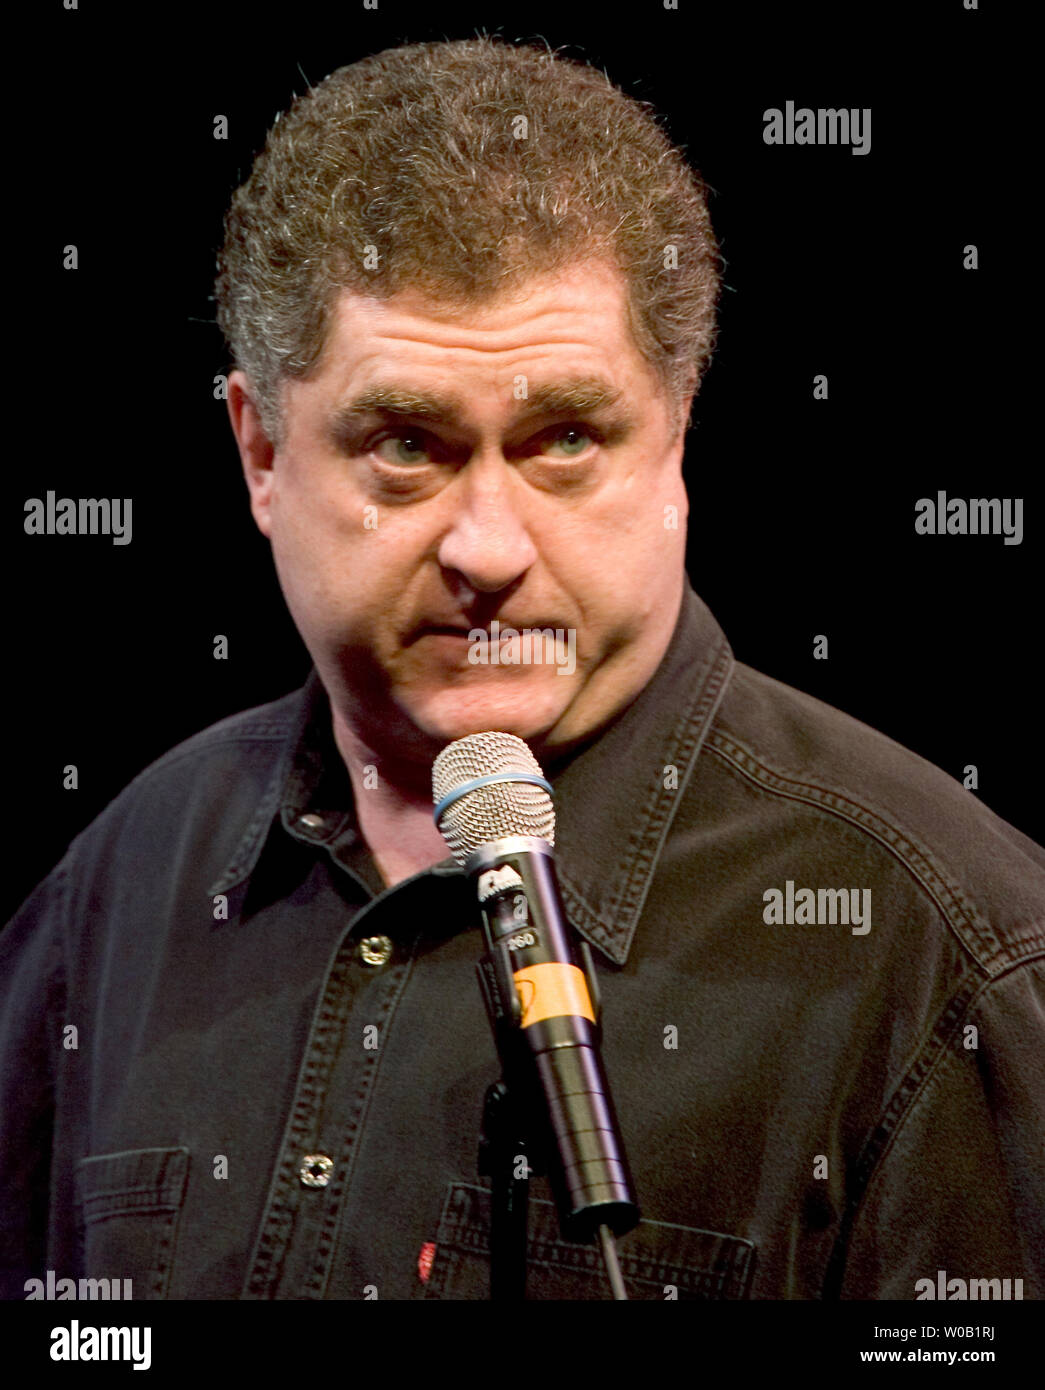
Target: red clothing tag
424	1260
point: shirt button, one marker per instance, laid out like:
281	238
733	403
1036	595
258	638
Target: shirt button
311	821
375	950
315	1170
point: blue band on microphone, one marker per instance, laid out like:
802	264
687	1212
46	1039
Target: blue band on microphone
465	787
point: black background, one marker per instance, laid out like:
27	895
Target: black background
802	512
288	1341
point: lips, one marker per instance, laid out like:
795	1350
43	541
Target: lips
444	630
463	630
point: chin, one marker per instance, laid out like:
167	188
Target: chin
450	714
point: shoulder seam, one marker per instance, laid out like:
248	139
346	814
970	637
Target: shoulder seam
956	910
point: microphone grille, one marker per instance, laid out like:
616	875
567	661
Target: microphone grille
497	810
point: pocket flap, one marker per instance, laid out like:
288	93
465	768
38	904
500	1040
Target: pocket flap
136	1180
658	1259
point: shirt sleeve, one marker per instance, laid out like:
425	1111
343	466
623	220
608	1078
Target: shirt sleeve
31	1007
958	1188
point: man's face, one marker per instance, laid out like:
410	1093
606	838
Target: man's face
433	477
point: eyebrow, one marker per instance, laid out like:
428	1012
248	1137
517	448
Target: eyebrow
578	396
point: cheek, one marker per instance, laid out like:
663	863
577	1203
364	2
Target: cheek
654	514
316	542
318	525
630	532
627	556
346	565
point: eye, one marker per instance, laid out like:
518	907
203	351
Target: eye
576	439
404	443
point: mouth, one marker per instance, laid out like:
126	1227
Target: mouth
507	650
504	630
442	630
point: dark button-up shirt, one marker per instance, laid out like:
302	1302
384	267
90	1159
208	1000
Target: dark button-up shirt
235	1064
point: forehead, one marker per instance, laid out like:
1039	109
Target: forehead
567	330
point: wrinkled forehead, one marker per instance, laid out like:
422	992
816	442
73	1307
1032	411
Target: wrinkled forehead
558	342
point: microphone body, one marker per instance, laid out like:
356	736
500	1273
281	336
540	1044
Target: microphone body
545	1012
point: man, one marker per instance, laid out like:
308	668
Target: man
466	351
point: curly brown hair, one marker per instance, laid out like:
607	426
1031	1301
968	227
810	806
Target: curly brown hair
463	168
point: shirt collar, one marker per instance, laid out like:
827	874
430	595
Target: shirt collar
615	798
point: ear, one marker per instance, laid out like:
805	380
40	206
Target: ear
684	406
255	449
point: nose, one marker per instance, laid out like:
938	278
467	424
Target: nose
487	543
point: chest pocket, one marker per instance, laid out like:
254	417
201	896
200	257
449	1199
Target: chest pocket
128	1207
658	1259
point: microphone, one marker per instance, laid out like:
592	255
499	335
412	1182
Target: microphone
494	809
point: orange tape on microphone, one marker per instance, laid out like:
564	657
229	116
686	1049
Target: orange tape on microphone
552	990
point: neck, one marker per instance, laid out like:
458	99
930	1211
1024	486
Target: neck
394	806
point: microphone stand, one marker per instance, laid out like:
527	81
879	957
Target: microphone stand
501	1148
